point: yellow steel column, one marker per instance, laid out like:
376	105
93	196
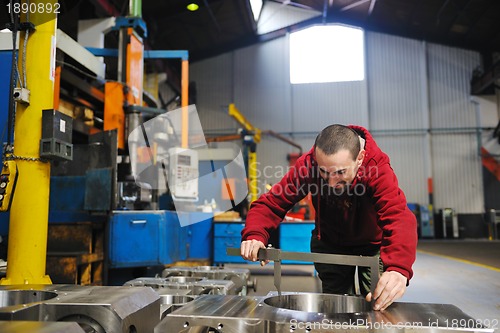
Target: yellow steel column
184	103
252	175
27	249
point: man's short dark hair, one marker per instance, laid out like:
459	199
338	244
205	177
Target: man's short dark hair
337	137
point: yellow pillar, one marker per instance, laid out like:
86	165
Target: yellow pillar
27	249
185	103
252	175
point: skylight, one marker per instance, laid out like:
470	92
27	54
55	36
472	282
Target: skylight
256	6
327	53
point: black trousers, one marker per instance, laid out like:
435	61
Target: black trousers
339	279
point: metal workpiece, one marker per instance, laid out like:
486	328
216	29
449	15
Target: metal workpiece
197	285
240	276
157	282
96	309
309	312
172	300
39	327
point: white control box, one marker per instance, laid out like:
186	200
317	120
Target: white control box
183	173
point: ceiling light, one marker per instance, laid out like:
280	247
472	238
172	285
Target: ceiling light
192	7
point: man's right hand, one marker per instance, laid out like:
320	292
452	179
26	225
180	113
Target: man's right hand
250	249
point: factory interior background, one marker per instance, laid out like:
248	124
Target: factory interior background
136	134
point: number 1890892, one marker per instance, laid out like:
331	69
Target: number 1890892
34	8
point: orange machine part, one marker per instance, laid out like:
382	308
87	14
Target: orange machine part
135	68
228	189
114	117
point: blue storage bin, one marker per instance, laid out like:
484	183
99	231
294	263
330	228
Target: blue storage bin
296	237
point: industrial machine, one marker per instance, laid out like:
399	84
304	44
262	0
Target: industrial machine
98	212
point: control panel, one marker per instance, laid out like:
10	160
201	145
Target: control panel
183	174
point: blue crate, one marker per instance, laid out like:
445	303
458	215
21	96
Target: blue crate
296	237
146	238
200	236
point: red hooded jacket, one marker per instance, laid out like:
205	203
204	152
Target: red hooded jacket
372	210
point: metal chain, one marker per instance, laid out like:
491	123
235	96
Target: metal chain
27	159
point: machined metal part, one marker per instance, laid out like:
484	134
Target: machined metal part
157	283
240	276
96	309
197	285
39	327
308	312
277	256
172	300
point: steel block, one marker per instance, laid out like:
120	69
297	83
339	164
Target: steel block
97	309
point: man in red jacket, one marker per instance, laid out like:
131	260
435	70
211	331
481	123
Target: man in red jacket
360	210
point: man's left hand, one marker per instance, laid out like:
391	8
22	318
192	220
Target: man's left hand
390	287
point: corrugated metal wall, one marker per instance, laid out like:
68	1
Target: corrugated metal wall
412	91
215	91
261	85
397	102
455	156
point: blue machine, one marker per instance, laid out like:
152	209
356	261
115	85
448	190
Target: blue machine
136	238
425	222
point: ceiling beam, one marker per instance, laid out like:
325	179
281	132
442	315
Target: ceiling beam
372	6
353	5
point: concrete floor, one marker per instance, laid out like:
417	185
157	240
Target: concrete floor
441	275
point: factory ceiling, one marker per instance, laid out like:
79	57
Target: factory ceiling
219	26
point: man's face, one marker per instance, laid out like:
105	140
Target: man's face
339	169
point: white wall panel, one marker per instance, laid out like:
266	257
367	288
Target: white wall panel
272	160
457	173
214	87
261	85
394	70
450	71
405	153
317	105
456	163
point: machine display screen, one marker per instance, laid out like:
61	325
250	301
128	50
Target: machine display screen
184	159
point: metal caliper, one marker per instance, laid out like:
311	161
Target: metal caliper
276	255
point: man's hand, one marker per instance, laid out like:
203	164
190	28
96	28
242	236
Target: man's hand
390	287
250	249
